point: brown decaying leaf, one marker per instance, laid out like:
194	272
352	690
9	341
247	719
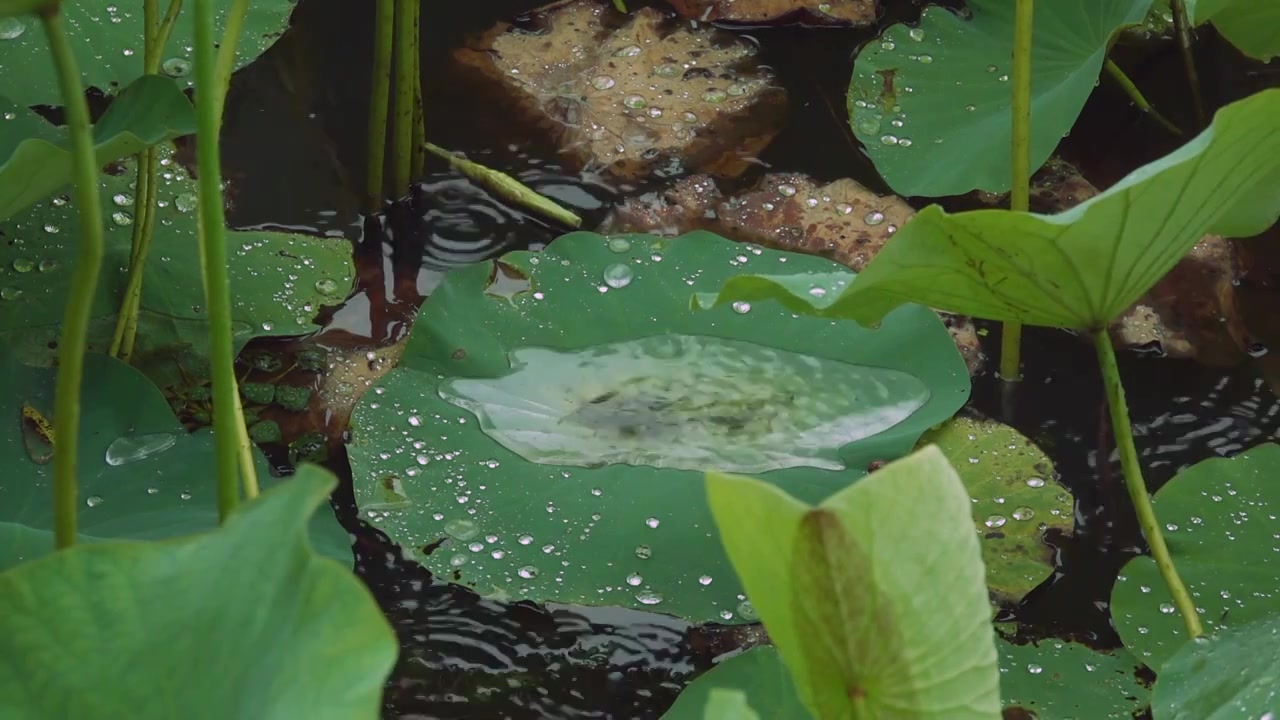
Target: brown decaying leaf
826	12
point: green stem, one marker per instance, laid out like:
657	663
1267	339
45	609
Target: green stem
162	35
227	54
402	125
133	291
379	97
1182	28
419	157
1137	487
213	246
1136	96
620	5
84	281
1020	188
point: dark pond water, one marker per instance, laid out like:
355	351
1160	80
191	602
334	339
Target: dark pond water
295	156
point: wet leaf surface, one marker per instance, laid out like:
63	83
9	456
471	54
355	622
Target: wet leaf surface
637	95
1060	680
1229	675
428	474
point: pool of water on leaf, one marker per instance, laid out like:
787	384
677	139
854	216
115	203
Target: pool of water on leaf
294	155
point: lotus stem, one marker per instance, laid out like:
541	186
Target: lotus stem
1136	96
1020	178
226	60
419	153
402	125
213	254
84	280
1137	488
248	476
1182	28
379	97
620	5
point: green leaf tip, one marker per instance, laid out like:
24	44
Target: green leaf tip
508	187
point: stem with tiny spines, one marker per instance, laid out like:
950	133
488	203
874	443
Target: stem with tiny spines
402	117
84	279
1137	97
1020	179
419	156
1182	28
1137	487
379	97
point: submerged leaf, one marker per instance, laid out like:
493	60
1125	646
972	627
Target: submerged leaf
142	476
931	103
534	438
197	627
1077	269
875	598
1221	529
35	157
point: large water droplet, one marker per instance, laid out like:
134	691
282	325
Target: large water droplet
176	67
326	286
648	597
11	28
10	293
995	521
602	82
741	307
93	500
47	265
132	448
23	265
618	275
635	102
461	529
715	95
619	244
916	34
186	202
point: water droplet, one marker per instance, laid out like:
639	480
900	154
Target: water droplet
888	45
618	275
995	521
916	34
176	67
415	421
458	560
1003	78
704	580
715	95
747	610
818	292
869	125
643	552
741	307
628	51
186	202
875	217
121	217
970	108
461	529
47	265
528	572
122	200
635	102
904	142
525	539
888	140
1035	482
132	448
992	68
1034	669
185	495
1023	513
52	229
667	71
11	28
93	500
23	265
652	522
1167	608
925	59
634	579
602	82
655	112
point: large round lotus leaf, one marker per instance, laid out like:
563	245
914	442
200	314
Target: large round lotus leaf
1016	500
141	475
1059	680
1250	25
279	280
107	39
931	103
1220	522
543	435
244	622
35	155
758	673
1232	675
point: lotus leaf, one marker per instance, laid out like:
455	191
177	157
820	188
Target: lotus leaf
1059	680
543	434
1231	675
35	157
931	103
757	675
246	621
875	598
728	705
1221	528
1250	25
1077	269
142	476
108	45
279	280
1016	500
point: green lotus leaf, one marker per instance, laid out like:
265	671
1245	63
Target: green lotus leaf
279	280
107	40
1250	25
142	476
1078	269
875	598
728	705
757	677
245	621
35	157
1054	679
1060	680
931	103
1221	677
1219	523
1016	497
545	430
